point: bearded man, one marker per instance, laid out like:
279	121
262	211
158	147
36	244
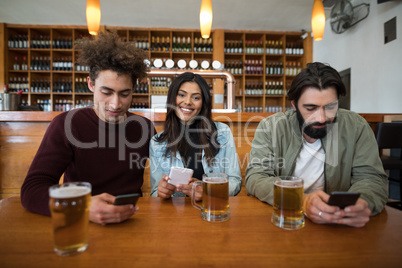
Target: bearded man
331	149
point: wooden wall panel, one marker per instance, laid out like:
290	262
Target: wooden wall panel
20	138
23	128
17	154
2	56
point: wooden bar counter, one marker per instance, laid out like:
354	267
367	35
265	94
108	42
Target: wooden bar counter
171	233
21	134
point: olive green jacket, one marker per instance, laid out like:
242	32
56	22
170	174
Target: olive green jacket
352	160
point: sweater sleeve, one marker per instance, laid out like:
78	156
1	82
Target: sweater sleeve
51	160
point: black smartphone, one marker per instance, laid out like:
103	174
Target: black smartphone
126	199
343	199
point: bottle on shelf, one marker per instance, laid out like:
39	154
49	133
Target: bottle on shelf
273	108
141	87
19	41
188	44
16	65
253	109
153	43
11	42
81	86
178	45
139	105
141	43
196	44
55	64
24	65
174	45
274	68
167	44
294	48
158	45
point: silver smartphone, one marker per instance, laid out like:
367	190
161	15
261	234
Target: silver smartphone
179	175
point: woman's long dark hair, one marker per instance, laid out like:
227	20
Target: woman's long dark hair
173	131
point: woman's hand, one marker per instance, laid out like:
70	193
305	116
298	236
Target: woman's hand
188	188
165	189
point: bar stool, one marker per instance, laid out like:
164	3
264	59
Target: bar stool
389	136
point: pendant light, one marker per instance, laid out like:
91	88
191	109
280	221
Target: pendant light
93	16
318	20
206	18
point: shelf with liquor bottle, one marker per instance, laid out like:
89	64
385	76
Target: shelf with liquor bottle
181	43
16	64
140	38
62	39
62	84
40	62
233	43
294	52
158	85
39	58
254	43
81	85
269	61
40	84
40	39
17	38
202	45
254	105
160	44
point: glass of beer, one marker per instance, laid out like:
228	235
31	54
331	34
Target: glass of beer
69	206
288	203
215	197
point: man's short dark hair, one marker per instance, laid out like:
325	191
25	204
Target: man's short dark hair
108	52
317	75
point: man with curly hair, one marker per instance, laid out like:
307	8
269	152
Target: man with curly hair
103	144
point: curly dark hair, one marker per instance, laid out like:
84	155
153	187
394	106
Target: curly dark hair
108	52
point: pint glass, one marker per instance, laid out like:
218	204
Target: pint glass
288	203
215	197
69	206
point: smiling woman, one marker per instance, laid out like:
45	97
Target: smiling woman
188	101
191	139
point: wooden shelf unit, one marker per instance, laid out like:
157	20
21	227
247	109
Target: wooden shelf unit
51	45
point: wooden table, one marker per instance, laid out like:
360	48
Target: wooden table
172	234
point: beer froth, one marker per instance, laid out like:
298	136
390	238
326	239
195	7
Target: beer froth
69	192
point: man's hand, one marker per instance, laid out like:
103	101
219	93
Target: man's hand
188	188
165	189
103	212
317	210
357	215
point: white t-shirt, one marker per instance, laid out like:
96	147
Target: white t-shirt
310	166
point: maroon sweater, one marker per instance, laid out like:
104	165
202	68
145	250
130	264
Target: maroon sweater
111	157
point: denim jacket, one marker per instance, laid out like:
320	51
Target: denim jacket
226	161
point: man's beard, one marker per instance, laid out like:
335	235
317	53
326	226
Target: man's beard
309	130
